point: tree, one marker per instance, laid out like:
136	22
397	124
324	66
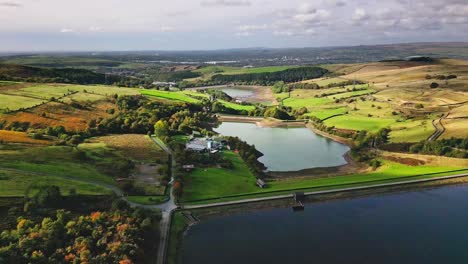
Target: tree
280	87
48	196
434	85
161	128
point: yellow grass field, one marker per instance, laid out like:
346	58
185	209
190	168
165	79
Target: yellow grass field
20	137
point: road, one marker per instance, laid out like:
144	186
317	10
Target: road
166	208
440	129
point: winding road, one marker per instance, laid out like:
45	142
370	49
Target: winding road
440	129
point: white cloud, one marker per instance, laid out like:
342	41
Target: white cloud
95	29
167	29
221	3
360	15
67	30
10	4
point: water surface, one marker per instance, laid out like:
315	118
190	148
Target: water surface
238	93
428	226
288	149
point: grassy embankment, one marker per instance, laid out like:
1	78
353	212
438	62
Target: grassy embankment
205	190
205	183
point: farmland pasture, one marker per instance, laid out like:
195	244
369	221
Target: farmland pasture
14	102
324	113
353	122
15	184
175	96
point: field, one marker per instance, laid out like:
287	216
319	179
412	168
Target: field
66	167
324	113
61	114
237	106
205	183
13	102
137	147
15	184
7	136
175	96
389	171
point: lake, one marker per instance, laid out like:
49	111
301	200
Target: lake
288	149
424	226
238	93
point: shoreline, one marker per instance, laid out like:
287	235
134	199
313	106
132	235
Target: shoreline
351	167
204	214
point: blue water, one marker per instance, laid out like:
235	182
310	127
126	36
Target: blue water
428	226
288	149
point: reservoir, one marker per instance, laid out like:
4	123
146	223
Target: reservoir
288	149
423	226
238	93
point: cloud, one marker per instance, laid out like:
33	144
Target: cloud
360	15
10	4
67	30
225	3
95	29
166	29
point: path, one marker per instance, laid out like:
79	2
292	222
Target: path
287	196
439	127
166	208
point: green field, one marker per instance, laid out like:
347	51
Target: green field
327	112
36	94
15	183
296	102
387	173
175	96
350	94
370	124
14	102
147	200
205	183
237	106
59	161
411	131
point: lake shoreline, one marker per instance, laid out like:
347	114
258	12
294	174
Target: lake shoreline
221	211
349	167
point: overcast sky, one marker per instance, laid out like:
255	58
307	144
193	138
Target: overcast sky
58	25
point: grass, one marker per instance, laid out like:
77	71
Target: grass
327	112
411	131
370	124
15	184
147	200
60	161
296	102
388	173
390	170
135	146
322	82
350	94
214	182
237	106
176	96
178	226
8	136
14	102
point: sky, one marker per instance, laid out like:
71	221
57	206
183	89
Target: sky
107	25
